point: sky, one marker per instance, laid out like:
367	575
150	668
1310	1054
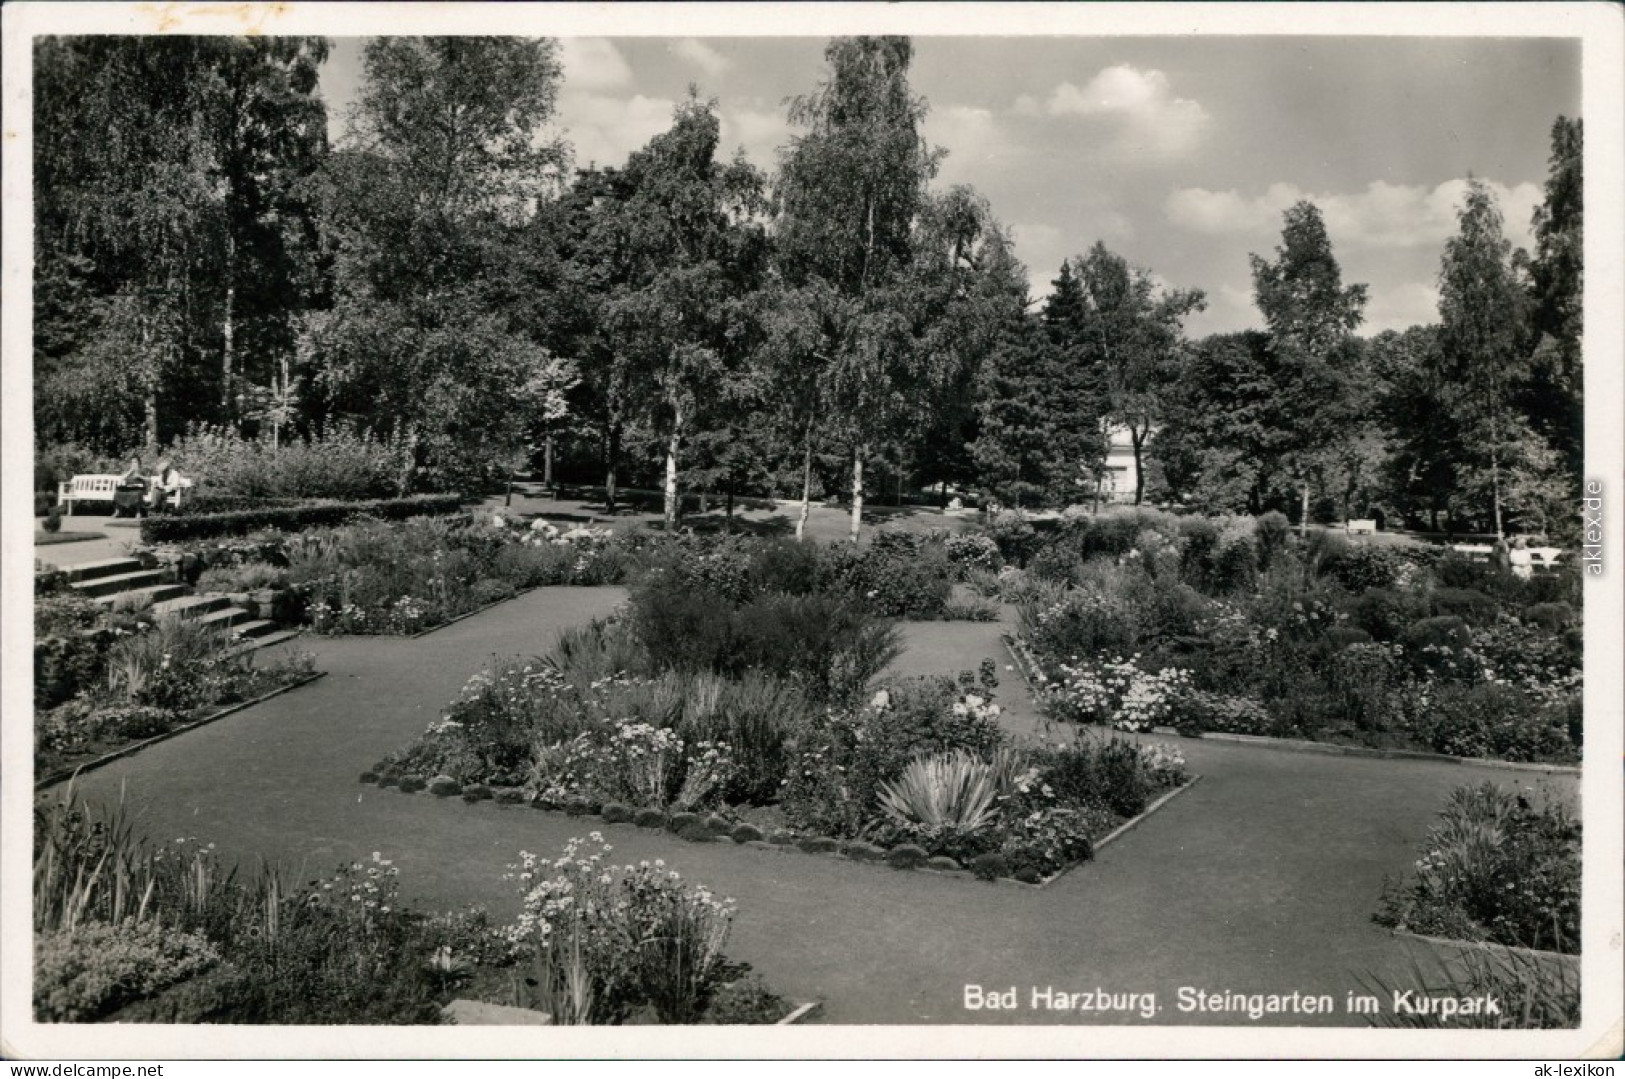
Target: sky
1179	152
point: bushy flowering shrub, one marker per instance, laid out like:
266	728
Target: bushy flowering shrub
1497	866
1115	693
632	763
605	940
83	973
970	551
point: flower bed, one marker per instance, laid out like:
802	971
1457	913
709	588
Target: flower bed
108	678
1496	868
1186	624
129	931
800	754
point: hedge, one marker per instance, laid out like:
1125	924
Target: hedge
179	527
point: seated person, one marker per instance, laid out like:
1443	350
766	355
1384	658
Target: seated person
130	494
163	485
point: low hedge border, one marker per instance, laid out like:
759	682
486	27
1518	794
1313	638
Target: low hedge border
175	528
696	828
62	774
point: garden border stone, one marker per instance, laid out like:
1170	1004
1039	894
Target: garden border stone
695	828
1485	945
69	774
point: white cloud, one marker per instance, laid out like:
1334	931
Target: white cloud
1398	307
760	131
1382	216
593	63
702	56
1139	105
605	130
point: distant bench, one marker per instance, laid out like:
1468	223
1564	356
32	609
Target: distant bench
1363	527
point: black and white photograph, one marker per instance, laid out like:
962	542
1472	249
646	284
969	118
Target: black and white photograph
1061	530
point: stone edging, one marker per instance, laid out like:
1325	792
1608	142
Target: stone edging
711	828
1019	653
1484	945
61	774
466	614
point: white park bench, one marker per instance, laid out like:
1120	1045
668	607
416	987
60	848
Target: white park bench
88	488
1361	527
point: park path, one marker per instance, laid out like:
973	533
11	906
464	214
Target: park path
1261	879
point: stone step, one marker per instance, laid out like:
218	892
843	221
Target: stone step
104	567
154	594
248	631
119	582
223	618
265	641
191	606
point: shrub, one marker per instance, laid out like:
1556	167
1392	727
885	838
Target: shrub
746	833
971	609
907	856
338	464
489	590
250	576
942	862
615	813
1274	532
53	520
1235	568
1360	568
1014	537
786	566
1468	604
680	821
444	786
1384	613
1443	632
820	844
744	1001
972	551
630	936
1487	837
649	818
413	784
177	528
1551	617
83	973
1493	720
989	866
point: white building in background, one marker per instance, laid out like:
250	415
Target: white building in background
1119	475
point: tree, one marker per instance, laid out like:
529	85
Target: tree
849	191
694	254
1553	396
1410	404
424	208
1311	316
1481	309
1132	335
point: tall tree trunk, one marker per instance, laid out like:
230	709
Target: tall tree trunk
806	484
227	327
942	497
547	461
672	444
858	453
612	452
1495	490
1303	518
1136	438
150	399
